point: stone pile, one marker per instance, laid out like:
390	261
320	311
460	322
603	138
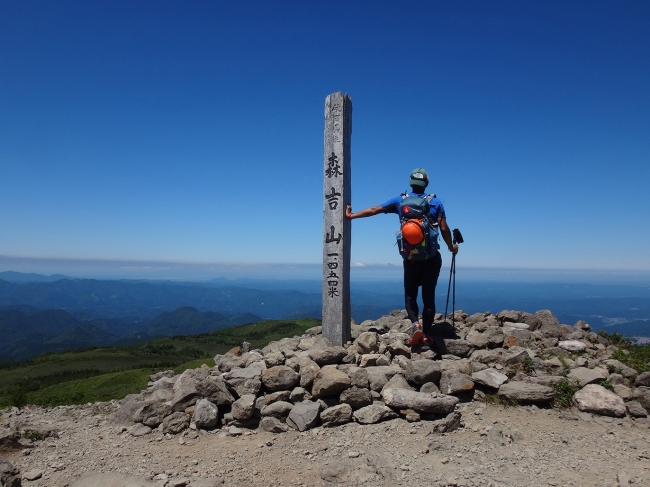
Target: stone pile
302	382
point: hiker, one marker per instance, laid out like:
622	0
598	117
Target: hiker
422	216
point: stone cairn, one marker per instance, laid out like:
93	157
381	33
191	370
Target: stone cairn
303	382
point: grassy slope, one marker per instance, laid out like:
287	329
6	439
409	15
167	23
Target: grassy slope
111	373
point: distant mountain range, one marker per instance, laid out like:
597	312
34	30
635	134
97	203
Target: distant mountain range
27	332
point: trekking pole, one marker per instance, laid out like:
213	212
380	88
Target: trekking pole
457	239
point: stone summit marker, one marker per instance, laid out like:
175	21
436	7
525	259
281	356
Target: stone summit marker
336	227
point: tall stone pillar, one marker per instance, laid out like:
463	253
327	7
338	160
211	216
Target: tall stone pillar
336	228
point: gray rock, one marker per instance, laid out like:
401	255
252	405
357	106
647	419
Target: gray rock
619	367
588	376
398	348
509	316
138	430
545	317
419	401
643	379
453	382
152	414
460	348
477	339
486	356
215	391
490	378
9	474
515	355
449	423
206	414
379	376
271	424
636	410
304	415
336	415
253	371
422	371
356	397
175	423
598	400
328	355
398	381
367	342
280	378
374	413
329	382
429	388
359	377
278	409
299	394
526	392
273	359
642	395
243	408
185	393
308	373
262	401
494	335
572	345
243	386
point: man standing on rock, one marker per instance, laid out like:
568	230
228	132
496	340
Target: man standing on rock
421	216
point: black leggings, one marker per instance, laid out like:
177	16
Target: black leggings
421	273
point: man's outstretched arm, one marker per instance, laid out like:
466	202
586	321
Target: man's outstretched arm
373	210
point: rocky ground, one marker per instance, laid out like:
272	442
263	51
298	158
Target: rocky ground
301	412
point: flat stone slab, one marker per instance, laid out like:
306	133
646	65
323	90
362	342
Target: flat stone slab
588	376
419	401
526	392
598	400
572	345
375	413
490	378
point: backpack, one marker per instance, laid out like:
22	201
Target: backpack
417	238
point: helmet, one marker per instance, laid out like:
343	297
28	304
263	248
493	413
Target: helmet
412	232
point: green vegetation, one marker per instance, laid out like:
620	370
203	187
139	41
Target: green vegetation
564	392
500	400
629	353
102	374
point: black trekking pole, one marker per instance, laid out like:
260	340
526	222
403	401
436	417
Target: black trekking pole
457	239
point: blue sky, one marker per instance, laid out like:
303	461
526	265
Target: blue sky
193	131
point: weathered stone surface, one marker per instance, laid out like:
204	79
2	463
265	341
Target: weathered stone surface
572	345
243	408
460	348
175	423
642	395
328	355
379	376
271	424
138	430
511	341
298	395
598	400
636	410
308	372
398	348
422	371
9	474
243	387
367	342
369	360
273	359
430	388
486	356
621	368
453	382
253	371
304	415
588	376
152	414
359	377
336	415
419	401
526	392
374	413
216	391
490	378
643	379
515	355
280	378
278	409
112	479
494	335
447	424
206	414
477	339
398	381
545	317
356	397
509	316
185	393
330	381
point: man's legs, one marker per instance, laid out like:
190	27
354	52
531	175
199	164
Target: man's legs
411	284
429	280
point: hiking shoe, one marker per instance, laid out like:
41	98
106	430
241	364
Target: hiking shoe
416	335
426	343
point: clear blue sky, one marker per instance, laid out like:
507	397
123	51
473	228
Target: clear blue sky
193	131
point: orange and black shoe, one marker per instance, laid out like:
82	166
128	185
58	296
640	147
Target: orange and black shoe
427	343
416	334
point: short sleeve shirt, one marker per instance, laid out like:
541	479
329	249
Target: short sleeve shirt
394	205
